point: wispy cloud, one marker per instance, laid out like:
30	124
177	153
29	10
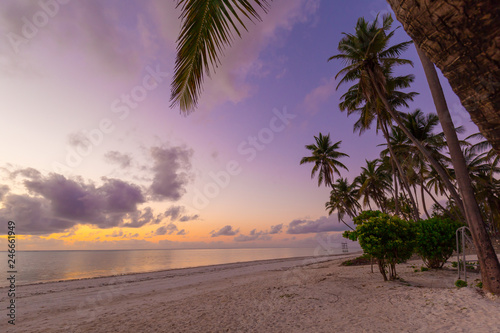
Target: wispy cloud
319	95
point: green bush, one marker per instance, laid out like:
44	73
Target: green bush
435	240
460	283
387	238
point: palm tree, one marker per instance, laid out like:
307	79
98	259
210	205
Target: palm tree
368	59
325	158
485	251
343	199
355	102
457	37
373	183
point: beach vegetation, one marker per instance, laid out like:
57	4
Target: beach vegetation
389	239
435	240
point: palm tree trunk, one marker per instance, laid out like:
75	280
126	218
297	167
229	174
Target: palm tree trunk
400	170
439	169
423	201
490	266
396	194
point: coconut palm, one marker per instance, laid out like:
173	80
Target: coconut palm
344	200
325	157
369	111
373	183
485	251
368	58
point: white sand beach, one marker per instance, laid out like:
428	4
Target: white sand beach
283	295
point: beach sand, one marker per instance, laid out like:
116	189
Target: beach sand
283	295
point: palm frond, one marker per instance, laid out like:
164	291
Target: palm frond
207	28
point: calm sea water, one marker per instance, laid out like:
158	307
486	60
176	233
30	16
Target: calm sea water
45	266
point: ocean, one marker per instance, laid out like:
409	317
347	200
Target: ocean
45	266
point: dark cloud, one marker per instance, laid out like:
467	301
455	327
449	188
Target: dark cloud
171	172
168	229
174	212
276	229
104	206
115	157
32	215
254	235
322	224
4	189
187	218
60	203
121	196
140	218
225	231
182	232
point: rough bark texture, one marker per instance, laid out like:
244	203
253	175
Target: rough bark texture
490	266
462	37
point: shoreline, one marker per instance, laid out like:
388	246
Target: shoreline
332	256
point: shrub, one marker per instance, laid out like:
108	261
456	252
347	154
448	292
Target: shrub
460	283
435	240
387	238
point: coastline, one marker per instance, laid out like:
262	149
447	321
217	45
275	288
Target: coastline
228	265
311	294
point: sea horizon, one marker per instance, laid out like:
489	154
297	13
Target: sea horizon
42	266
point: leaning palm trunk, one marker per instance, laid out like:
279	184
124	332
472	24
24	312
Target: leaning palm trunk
490	266
439	169
400	170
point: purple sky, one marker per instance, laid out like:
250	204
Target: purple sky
94	157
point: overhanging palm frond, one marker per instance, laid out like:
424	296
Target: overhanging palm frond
207	27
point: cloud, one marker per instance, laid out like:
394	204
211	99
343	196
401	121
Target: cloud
174	212
254	235
26	172
140	218
168	229
4	189
115	157
187	218
225	231
276	229
57	203
182	233
319	95
171	172
32	215
322	224
259	235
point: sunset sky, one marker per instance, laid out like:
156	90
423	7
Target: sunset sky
93	157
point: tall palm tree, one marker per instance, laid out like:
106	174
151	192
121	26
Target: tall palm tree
487	257
325	157
344	200
368	58
369	110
